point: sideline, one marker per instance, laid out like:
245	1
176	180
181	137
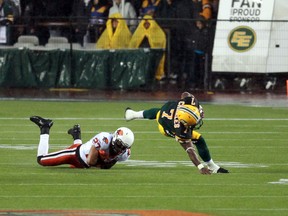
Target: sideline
99	213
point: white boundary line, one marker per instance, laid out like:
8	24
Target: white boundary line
122	119
140	196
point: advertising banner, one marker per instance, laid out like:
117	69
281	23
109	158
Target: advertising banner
243	36
278	48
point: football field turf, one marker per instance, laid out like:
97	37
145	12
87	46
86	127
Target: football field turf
251	142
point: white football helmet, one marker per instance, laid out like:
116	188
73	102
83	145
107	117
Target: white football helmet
123	135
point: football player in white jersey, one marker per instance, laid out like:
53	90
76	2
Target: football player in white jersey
103	150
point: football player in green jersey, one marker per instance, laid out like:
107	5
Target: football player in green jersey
179	120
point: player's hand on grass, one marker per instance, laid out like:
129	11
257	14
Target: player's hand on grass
205	171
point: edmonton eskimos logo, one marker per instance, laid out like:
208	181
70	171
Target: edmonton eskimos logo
242	39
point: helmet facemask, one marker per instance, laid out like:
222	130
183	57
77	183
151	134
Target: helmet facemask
117	147
199	124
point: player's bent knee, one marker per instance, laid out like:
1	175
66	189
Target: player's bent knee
39	160
196	135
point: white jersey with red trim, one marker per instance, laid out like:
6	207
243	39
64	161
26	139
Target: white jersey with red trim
102	142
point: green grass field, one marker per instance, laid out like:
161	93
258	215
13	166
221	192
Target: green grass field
249	141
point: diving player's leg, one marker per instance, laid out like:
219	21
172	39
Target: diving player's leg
70	155
65	156
204	153
43	146
44	125
143	114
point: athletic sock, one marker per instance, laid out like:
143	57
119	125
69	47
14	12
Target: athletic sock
131	114
77	141
212	166
43	146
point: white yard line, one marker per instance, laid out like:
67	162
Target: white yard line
122	119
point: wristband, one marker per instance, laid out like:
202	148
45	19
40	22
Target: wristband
189	149
200	166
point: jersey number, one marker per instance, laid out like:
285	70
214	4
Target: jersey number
169	116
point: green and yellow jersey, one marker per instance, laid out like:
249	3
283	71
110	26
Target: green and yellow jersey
169	124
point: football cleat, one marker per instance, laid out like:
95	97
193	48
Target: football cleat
75	132
43	124
222	170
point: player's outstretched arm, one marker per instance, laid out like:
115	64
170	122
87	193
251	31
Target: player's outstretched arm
189	148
